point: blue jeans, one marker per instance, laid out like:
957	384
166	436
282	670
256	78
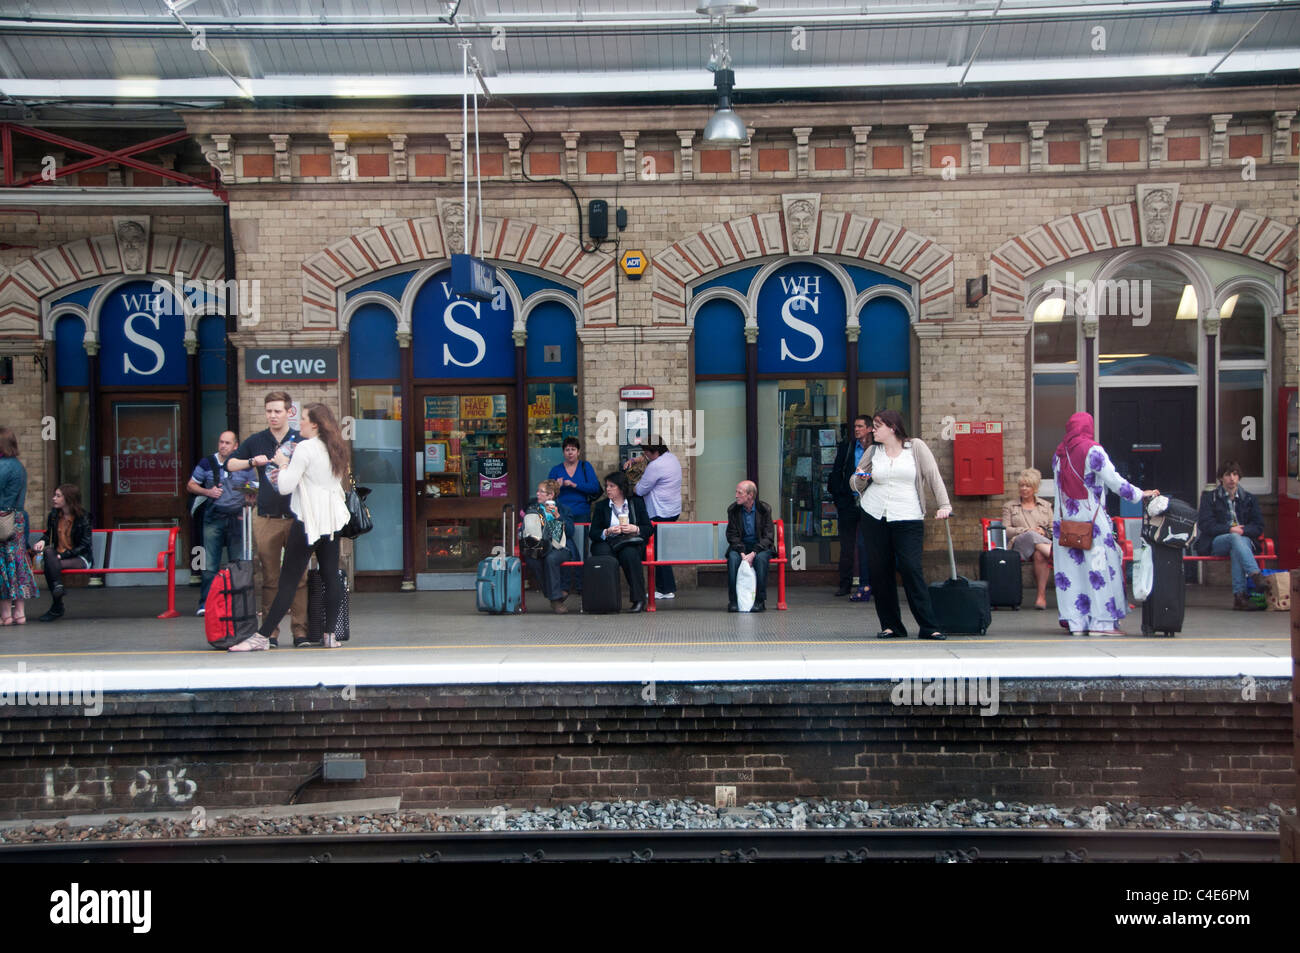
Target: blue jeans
761	559
220	532
1238	547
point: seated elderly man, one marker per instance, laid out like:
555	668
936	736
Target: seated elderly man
751	537
1229	524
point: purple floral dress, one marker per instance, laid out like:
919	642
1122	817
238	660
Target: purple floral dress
1090	583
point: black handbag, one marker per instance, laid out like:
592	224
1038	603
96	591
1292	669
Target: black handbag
359	522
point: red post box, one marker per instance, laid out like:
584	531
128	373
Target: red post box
977	458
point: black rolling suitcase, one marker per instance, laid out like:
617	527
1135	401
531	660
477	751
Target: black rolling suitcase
1167	535
960	604
602	586
1000	568
316	607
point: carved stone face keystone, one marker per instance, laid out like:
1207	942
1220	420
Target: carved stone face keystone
131	239
1157	206
801	216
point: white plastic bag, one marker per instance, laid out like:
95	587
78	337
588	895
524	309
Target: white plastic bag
746	585
1143	575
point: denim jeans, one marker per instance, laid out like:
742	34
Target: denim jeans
1238	547
761	558
220	532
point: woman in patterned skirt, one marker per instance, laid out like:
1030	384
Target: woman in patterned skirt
17	582
1089	582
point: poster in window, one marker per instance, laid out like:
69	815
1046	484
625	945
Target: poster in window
435	457
476	407
828	455
826	437
541	407
441	407
491	473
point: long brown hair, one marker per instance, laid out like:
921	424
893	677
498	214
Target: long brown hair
8	443
327	430
72	499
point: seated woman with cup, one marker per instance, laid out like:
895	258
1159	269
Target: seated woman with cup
620	525
1028	522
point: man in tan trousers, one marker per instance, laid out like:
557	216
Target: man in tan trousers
274	518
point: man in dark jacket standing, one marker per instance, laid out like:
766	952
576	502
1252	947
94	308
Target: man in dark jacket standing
1229	524
846	501
751	538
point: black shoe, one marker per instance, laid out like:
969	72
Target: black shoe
935	636
759	606
272	641
638	607
305	643
890	635
843	590
732	607
54	615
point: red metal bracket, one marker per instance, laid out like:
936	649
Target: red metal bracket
99	157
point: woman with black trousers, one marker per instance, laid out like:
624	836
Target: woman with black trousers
620	525
894	478
66	543
314	475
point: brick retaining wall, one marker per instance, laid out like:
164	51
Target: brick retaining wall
1165	740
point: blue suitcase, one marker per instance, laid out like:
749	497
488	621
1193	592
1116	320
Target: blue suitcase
500	584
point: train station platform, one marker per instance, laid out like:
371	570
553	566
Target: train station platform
441	705
438	638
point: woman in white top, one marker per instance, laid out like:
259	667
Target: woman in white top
894	478
314	477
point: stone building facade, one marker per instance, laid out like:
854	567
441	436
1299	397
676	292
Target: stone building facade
345	220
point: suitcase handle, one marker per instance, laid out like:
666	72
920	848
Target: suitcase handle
952	559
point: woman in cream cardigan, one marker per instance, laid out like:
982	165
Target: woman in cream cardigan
894	479
314	475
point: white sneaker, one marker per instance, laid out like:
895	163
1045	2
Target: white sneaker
665	595
254	643
200	611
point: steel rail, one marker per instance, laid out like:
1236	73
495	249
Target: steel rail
754	846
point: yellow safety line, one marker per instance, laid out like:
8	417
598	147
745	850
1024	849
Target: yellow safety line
881	643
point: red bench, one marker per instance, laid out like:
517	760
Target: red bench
1266	553
166	562
779	560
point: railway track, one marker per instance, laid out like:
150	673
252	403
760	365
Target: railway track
739	846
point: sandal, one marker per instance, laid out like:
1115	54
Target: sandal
331	641
862	595
20	617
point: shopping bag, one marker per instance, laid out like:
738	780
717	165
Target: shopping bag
746	586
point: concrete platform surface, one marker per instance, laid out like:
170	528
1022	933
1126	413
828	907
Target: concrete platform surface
439	638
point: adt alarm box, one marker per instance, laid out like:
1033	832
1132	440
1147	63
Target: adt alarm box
977	458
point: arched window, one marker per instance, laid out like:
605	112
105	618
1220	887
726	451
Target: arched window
1245	412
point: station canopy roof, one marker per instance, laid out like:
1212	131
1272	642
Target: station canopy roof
188	53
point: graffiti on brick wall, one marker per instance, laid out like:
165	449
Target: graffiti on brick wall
84	788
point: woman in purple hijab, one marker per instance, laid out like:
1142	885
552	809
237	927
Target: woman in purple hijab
1089	583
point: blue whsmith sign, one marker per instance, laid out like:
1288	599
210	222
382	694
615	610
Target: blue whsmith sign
473	278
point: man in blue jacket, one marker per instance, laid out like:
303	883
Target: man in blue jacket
1229	524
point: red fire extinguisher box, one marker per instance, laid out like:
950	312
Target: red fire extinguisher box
977	458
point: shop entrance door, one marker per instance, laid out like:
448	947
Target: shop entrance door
1150	435
146	462
466	471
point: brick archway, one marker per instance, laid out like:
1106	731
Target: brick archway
845	234
413	240
1114	227
23	286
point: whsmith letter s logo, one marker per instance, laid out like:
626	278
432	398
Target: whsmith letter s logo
801	293
150	312
460	330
